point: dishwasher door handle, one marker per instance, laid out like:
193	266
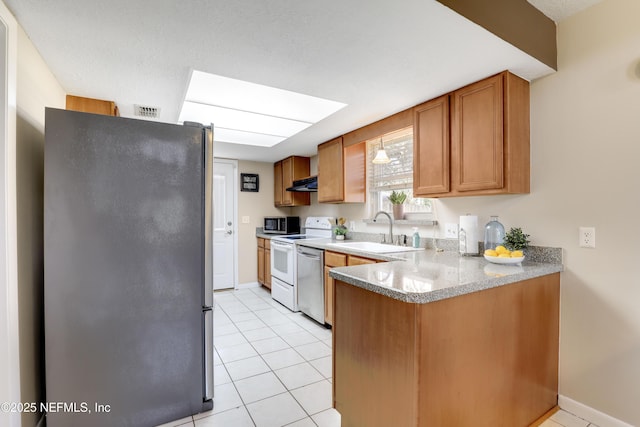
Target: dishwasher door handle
314	257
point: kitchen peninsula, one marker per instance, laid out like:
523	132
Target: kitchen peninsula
439	339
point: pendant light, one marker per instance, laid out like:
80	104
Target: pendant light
381	156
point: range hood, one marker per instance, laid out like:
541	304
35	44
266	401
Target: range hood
308	185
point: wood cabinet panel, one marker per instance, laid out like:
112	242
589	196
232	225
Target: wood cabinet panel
331	259
358	260
355	173
376	361
277	184
331	171
489	140
493	353
285	172
477	136
334	259
431	165
341	172
267	265
328	296
261	265
287	181
90	105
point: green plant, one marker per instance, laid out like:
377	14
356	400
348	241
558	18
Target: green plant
515	239
341	230
397	197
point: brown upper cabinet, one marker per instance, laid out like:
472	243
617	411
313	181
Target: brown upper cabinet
285	172
341	172
90	105
431	144
474	141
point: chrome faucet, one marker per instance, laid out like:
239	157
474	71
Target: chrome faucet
390	224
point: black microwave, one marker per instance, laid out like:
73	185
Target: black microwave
281	225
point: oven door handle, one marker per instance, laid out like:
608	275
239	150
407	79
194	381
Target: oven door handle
285	246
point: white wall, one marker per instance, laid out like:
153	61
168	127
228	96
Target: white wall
585	171
585	154
37	88
256	206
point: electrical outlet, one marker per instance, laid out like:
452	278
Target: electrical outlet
246	220
451	230
587	237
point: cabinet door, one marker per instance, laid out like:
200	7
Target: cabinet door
355	172
90	105
277	183
431	147
260	265
267	268
328	296
287	181
334	259
477	136
331	171
357	260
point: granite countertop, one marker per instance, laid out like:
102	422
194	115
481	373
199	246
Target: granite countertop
425	276
268	236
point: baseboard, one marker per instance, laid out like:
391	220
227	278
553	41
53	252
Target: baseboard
248	285
587	413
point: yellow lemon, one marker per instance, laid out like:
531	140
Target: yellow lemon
504	255
501	249
517	254
490	252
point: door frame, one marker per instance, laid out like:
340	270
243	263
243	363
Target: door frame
9	331
235	190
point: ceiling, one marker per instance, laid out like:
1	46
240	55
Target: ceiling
377	56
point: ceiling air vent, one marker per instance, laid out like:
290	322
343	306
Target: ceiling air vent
146	111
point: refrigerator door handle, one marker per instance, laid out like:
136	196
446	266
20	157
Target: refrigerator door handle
208	354
208	216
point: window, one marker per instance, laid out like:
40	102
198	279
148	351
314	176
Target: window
396	175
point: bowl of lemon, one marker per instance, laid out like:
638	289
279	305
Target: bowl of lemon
502	255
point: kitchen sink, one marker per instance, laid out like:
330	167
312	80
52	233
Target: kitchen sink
378	248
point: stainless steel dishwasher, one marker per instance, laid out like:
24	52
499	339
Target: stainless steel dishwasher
310	267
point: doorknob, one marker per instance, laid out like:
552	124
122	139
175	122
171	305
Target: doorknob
229	231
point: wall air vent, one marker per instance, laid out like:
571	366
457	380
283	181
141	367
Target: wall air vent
146	111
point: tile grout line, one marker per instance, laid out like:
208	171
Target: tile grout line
305	360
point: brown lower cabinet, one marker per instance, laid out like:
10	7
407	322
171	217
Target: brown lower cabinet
264	262
336	259
488	358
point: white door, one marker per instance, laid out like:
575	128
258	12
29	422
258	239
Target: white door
224	223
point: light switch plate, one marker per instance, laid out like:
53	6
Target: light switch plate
246	219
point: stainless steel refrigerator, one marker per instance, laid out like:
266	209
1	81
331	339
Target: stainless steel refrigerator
128	281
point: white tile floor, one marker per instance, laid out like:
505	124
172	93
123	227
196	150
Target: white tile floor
273	368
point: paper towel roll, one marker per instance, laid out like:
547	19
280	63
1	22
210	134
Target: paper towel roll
469	235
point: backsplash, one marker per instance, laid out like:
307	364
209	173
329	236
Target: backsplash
533	253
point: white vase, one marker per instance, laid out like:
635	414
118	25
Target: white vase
340	237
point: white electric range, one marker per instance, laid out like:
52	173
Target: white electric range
284	287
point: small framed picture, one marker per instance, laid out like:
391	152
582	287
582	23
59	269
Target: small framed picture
249	182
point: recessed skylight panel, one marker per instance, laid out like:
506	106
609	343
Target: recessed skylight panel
234	105
241	120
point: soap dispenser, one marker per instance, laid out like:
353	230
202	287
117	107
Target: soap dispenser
416	238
